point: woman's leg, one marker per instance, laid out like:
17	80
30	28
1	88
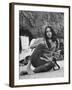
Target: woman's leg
35	57
43	68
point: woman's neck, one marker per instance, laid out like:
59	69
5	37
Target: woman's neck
50	40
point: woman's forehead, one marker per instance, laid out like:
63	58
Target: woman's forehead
48	29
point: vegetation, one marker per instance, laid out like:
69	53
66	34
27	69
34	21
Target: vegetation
36	21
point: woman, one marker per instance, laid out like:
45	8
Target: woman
43	57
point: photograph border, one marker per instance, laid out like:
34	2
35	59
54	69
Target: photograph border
11	43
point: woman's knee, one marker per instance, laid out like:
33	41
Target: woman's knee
40	46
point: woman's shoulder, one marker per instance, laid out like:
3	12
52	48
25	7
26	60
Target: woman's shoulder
37	41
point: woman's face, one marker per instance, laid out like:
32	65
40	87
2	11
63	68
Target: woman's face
48	33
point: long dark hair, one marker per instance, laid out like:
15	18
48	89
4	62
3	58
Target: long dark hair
54	37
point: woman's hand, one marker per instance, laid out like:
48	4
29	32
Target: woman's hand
56	54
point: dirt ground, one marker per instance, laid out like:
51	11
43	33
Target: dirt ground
49	74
